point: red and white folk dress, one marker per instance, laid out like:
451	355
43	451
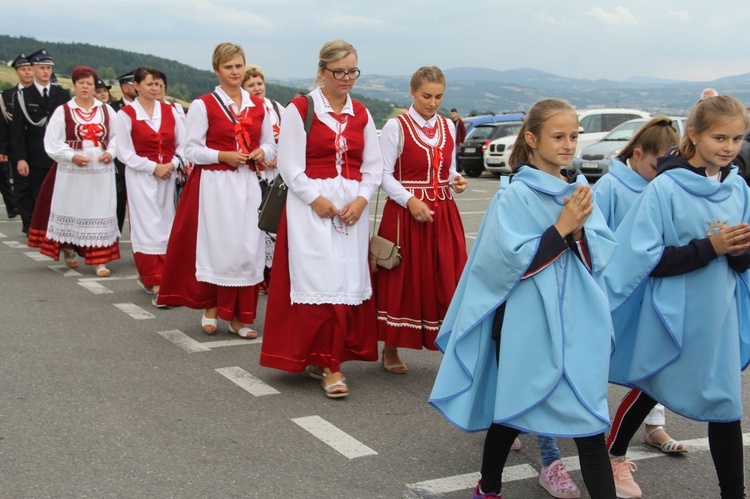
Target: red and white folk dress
77	204
320	309
412	299
143	143
216	253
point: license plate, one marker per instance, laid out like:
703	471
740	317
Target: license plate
470	149
494	161
589	165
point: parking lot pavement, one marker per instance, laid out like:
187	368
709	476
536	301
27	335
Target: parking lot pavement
105	395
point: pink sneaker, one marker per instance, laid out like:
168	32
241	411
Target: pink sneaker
487	495
622	470
516	445
556	481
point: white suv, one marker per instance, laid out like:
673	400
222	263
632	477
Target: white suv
497	153
595	123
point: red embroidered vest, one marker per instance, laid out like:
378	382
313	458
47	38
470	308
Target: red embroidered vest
76	133
156	146
220	135
321	150
425	168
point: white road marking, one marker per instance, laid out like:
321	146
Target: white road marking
334	437
94	287
133	310
233	343
525	471
183	341
2	235
65	271
38	257
247	381
191	346
15	244
110	278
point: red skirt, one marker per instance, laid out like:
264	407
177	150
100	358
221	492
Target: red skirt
150	268
302	335
179	287
38	230
412	299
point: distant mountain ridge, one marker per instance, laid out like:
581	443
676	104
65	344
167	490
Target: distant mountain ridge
483	90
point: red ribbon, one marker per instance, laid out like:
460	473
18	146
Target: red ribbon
242	134
91	132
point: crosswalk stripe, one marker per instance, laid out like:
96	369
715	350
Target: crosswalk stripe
134	311
94	287
37	257
15	244
2	236
190	345
183	341
525	471
247	381
65	271
334	437
110	278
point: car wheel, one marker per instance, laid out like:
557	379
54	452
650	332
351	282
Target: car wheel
472	172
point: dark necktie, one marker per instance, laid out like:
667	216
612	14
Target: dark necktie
45	97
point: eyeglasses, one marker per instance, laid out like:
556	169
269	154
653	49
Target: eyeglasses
339	74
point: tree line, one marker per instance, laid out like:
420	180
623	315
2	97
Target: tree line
185	82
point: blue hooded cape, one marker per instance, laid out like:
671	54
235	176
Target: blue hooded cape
617	191
551	377
684	339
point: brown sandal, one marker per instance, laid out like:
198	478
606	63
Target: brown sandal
395	367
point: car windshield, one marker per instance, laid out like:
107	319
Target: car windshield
480	132
506	131
625	131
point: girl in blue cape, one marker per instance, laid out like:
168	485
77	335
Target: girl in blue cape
615	193
678	288
528	334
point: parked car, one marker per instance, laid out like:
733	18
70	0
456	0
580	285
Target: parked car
743	158
472	121
470	153
593	160
595	123
497	154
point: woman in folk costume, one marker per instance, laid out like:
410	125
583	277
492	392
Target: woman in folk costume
320	312
151	136
418	149
255	83
678	289
216	252
528	334
76	210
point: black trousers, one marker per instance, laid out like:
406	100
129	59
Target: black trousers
592	453
122	193
6	189
24	200
724	440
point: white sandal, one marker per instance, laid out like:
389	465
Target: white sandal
102	270
671	446
244	332
209	322
330	389
71	258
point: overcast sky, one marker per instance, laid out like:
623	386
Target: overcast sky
687	40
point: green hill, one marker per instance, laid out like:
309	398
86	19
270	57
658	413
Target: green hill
185	82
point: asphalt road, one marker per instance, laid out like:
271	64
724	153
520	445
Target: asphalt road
102	395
